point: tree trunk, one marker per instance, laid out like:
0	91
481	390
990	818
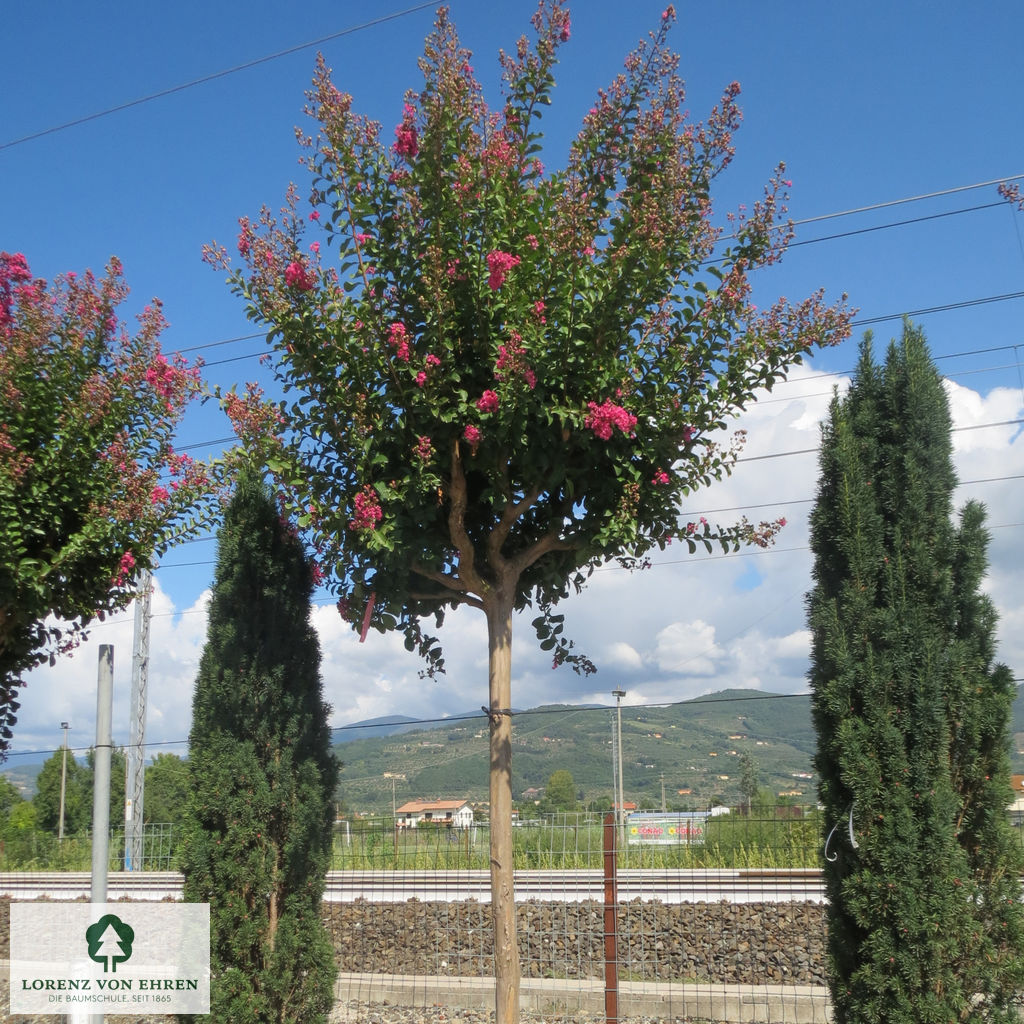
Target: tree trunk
503	907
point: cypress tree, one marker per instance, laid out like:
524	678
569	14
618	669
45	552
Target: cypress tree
262	777
911	712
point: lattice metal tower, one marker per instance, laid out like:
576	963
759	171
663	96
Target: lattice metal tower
136	759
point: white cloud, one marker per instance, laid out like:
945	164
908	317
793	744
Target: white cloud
622	655
687	648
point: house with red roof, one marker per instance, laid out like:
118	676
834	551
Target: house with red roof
449	813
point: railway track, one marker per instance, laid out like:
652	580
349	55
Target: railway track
740	885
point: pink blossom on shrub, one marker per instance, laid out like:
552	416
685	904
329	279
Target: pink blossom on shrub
511	361
472	435
296	275
604	418
660	478
423	448
368	512
488	401
421	378
124	570
499	264
407	142
399	341
160	495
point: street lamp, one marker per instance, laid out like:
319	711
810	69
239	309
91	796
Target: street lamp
63	778
621	818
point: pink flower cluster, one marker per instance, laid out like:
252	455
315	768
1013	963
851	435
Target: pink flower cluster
423	448
159	495
368	512
13	270
296	275
660	478
124	569
407	141
162	377
604	418
251	415
399	341
498	155
472	435
499	264
488	401
245	237
512	360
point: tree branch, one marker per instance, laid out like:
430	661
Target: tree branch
473	602
513	510
551	541
458	500
446	581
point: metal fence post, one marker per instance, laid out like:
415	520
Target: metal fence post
611	927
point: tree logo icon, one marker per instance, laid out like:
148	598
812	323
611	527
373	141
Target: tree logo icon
110	942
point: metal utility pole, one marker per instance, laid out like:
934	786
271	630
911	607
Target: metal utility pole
63	778
101	789
618	695
393	776
136	760
394	821
101	775
663	807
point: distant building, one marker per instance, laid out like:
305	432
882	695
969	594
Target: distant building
450	813
1017	782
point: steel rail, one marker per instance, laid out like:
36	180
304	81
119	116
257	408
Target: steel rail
684	885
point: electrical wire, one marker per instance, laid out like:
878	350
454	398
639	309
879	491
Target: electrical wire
383	19
480	716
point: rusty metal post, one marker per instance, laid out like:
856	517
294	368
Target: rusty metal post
611	927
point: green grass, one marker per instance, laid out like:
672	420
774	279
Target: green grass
731	841
771	839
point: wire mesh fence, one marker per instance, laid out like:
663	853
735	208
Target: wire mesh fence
33	850
716	916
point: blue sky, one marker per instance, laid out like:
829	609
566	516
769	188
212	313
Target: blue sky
868	103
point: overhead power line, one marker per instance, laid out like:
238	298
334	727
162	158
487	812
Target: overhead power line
864	322
909	199
383	19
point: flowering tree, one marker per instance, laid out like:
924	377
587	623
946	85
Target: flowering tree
90	488
510	376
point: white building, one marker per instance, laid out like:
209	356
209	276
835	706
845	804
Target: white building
451	813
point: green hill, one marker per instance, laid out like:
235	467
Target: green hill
695	746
